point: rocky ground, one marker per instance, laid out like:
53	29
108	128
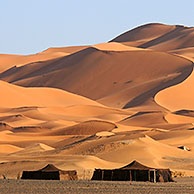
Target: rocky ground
181	185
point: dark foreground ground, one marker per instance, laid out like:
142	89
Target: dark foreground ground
183	185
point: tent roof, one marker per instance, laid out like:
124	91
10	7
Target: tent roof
49	168
135	165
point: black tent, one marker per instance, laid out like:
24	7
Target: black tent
134	171
50	172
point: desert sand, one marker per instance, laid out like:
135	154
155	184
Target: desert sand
101	106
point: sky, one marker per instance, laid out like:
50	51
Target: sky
30	26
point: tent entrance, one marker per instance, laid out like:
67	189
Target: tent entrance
152	176
140	175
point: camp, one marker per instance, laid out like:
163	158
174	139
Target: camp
50	172
134	171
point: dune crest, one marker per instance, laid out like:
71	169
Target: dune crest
115	46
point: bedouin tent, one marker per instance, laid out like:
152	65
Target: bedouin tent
50	172
134	171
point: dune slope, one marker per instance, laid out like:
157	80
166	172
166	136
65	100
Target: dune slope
16	96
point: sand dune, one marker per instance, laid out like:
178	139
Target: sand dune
101	106
146	150
177	138
6	148
174	118
144	119
75	73
15	96
35	148
184	96
185	52
158	37
85	128
143	33
17	120
9	61
69	50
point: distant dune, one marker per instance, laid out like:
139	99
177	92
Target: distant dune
9	61
101	106
158	37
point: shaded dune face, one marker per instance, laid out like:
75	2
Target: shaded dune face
101	106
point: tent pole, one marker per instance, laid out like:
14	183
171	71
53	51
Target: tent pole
154	175
102	174
149	175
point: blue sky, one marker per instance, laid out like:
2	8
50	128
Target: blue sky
30	26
